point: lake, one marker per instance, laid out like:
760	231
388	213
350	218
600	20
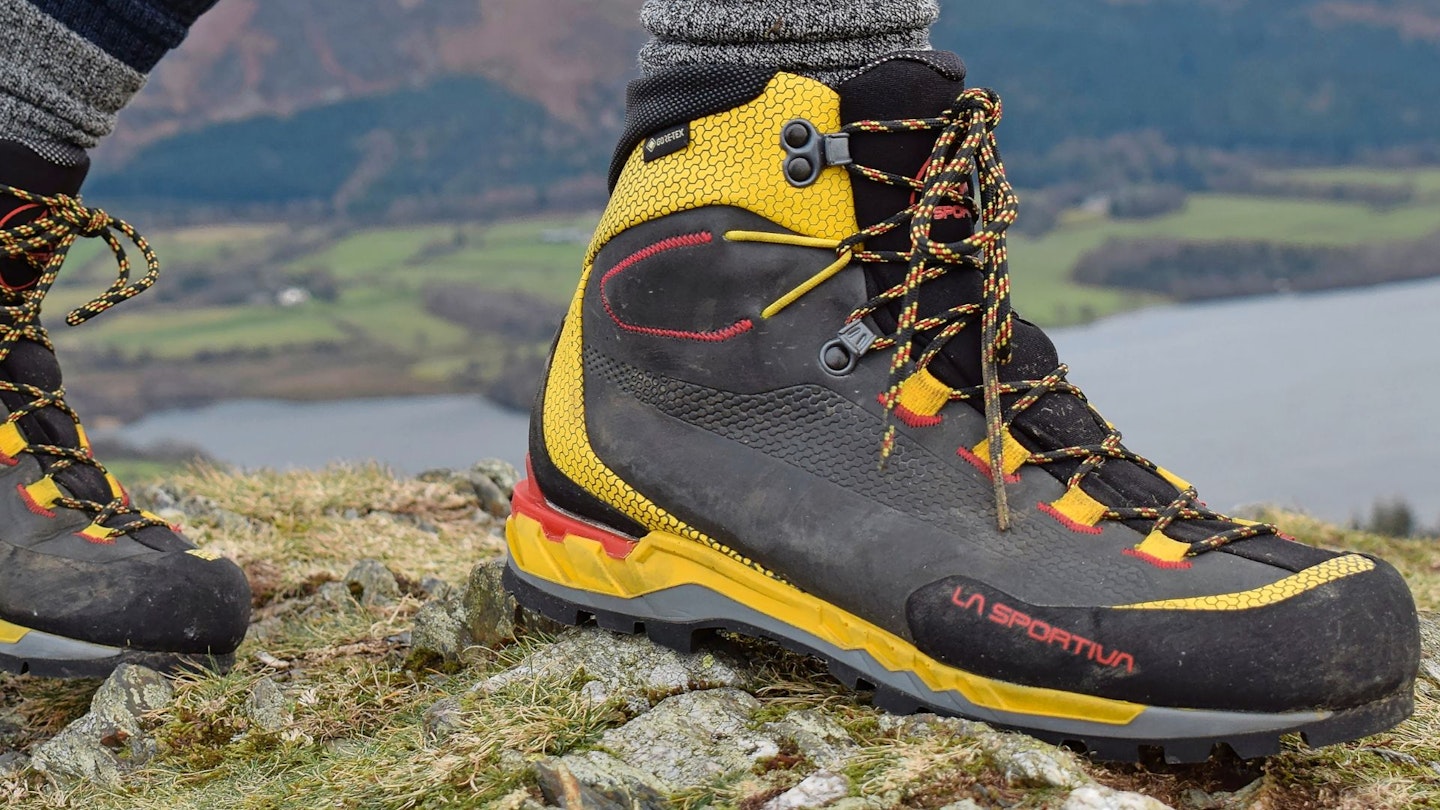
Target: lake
1321	402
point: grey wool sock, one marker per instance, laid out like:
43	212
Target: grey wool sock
826	40
58	92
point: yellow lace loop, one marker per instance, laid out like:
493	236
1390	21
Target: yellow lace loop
966	153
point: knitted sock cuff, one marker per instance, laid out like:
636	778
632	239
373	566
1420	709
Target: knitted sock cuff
58	91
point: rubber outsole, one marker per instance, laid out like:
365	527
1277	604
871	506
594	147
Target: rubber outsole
46	655
168	663
1177	735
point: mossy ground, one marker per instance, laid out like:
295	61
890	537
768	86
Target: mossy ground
357	738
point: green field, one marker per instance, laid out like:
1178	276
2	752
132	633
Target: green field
381	272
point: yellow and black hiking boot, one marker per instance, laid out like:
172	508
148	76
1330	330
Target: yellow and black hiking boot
87	581
790	399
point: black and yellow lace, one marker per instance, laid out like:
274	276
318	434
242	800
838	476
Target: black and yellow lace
43	244
966	152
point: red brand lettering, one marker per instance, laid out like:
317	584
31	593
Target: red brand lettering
1042	632
974	600
951	212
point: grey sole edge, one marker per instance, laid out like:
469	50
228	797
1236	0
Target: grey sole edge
46	655
676	616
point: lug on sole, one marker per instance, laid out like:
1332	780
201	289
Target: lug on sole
574	573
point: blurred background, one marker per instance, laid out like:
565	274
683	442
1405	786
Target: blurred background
373	212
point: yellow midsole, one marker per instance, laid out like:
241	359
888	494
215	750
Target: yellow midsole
661	561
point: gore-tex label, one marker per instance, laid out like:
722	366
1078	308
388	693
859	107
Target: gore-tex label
668	142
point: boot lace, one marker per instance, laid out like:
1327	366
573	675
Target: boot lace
43	244
965	149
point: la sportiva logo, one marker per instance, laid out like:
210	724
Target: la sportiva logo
1041	632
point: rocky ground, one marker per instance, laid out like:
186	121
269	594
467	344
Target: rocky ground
385	668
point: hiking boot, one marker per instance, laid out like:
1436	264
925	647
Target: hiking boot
790	399
87	581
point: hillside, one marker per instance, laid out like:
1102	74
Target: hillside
383	108
407	680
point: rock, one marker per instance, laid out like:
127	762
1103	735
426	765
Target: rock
629	669
817	790
1245	797
170	499
517	800
481	615
816	735
857	803
1026	762
444	717
435	588
109	739
12	764
492	616
490	612
692	739
595	780
963	804
502	477
371	583
921	726
331	598
266	706
1099	797
491	481
439	638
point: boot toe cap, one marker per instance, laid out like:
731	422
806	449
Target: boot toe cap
1311	641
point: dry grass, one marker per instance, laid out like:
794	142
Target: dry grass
357	734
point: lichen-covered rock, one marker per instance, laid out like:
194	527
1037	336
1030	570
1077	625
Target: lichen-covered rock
819	789
595	780
816	736
921	726
444	717
371	583
1099	797
491	481
266	706
1027	762
492	616
629	669
692	739
329	599
518	800
439	636
109	739
185	508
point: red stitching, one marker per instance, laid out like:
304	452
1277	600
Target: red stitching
8	461
43	258
911	418
1067	522
984	466
107	541
1156	561
673	243
18	211
30	503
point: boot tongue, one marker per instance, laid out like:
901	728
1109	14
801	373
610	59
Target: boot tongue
924	85
30	363
22	168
